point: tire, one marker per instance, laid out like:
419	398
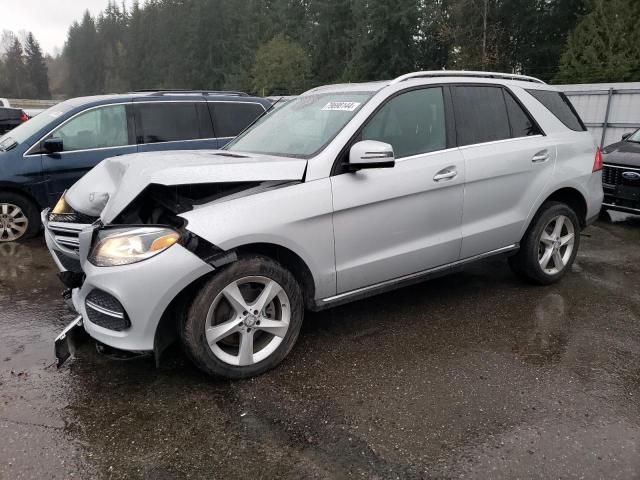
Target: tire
528	262
220	328
19	217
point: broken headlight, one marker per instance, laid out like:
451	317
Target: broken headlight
123	246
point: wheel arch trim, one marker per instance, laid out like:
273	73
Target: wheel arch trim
569	194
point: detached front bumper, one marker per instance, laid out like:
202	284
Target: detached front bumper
122	306
143	290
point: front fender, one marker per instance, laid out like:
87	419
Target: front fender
297	217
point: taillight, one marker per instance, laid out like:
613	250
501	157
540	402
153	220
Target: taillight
597	164
24	117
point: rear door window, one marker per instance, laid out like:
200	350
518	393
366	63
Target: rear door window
231	118
169	122
412	122
100	127
481	114
558	104
522	125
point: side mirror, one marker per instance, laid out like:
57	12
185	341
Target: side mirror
371	154
53	145
625	136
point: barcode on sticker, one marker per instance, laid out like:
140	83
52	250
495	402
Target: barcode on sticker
341	106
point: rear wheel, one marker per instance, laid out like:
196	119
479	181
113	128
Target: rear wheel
244	320
550	245
19	217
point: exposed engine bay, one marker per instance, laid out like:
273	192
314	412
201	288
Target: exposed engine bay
161	204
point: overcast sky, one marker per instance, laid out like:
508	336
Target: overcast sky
49	20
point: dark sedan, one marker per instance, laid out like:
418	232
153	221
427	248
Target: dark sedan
10	118
621	174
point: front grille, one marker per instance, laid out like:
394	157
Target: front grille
106	311
75	217
612	175
70	264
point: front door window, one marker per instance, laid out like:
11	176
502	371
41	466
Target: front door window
100	127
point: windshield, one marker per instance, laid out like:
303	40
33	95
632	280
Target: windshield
30	127
635	137
303	126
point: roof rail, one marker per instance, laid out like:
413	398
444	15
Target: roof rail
177	91
464	73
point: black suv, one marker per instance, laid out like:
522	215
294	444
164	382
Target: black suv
43	157
621	174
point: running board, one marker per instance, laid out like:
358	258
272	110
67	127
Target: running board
406	280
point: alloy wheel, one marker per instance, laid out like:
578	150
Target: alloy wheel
13	222
248	320
556	245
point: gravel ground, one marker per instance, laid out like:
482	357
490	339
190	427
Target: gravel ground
476	375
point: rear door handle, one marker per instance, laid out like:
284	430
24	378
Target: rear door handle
541	157
448	173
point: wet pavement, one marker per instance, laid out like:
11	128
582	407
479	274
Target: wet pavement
476	375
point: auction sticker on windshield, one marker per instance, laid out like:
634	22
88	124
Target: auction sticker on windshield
341	106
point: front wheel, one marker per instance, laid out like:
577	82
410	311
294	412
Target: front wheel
245	319
550	245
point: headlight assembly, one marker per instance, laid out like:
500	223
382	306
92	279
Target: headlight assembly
123	246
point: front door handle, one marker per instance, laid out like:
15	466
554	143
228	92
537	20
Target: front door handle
540	157
448	173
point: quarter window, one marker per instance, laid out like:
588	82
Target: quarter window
167	122
481	114
229	119
97	128
558	104
413	123
522	124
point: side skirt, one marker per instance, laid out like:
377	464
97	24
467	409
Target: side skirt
406	280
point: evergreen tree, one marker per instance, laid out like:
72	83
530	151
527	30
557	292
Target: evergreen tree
212	44
15	70
110	28
384	39
604	46
85	60
331	38
560	20
36	69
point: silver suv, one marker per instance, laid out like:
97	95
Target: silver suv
342	193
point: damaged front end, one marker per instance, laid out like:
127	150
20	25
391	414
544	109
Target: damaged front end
125	252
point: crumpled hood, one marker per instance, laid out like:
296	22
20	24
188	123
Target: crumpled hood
115	182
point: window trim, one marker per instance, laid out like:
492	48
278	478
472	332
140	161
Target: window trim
138	124
566	100
212	115
517	100
498	86
508	91
29	152
338	168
